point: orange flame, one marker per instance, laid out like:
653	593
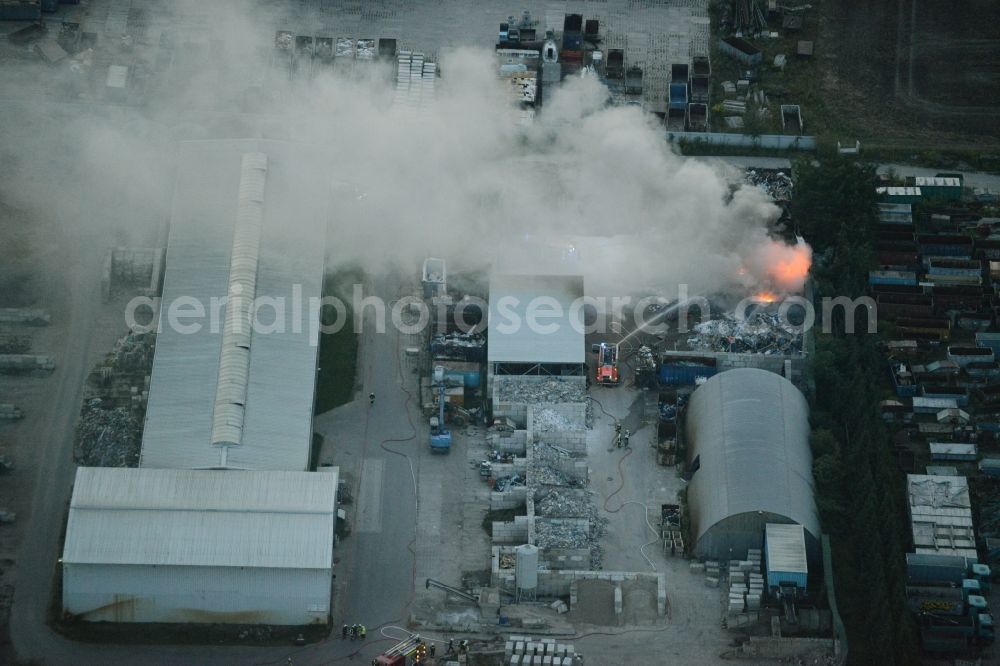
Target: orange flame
790	272
765	297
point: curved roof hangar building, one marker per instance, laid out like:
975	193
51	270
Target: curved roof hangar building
748	446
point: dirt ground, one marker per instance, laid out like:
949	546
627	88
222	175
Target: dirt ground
913	70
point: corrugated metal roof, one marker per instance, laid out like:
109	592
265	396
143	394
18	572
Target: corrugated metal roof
513	340
786	548
277	423
202	518
750	430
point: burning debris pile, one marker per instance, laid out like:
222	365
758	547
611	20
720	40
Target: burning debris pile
107	437
570	534
760	333
776	184
546	391
553	466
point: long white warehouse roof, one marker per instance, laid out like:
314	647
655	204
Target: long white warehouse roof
521	329
202	518
274	426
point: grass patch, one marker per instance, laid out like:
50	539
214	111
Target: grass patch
338	351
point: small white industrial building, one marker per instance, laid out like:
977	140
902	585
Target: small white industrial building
749	462
536	325
167	545
536	334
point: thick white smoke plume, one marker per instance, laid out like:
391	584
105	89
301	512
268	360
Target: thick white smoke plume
586	188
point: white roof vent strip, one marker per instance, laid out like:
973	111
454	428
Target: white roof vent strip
234	362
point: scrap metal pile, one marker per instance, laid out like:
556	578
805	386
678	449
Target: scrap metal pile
552	533
776	184
761	332
107	437
548	465
562	503
463	346
745	16
547	420
538	392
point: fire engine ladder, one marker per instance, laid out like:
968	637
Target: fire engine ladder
405	647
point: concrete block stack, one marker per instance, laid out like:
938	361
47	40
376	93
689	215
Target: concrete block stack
520	651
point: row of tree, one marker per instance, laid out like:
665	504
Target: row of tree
859	489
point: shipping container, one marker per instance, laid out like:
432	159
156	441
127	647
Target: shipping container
686	374
678	95
892	277
939	266
938	599
958	394
943	245
989	340
927	569
893	214
953	451
964	355
990	467
932	406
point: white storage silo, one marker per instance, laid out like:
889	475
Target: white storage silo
526	571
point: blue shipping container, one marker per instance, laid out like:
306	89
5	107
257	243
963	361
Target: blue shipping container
678	95
675	374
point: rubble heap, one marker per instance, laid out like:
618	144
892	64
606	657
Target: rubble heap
546	463
761	333
540	392
776	184
547	420
107	437
550	534
557	503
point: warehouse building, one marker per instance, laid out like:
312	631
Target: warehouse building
249	219
749	462
168	545
221	523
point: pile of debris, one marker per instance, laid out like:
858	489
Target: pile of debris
107	437
776	184
461	346
546	420
761	332
540	392
568	536
547	466
557	503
